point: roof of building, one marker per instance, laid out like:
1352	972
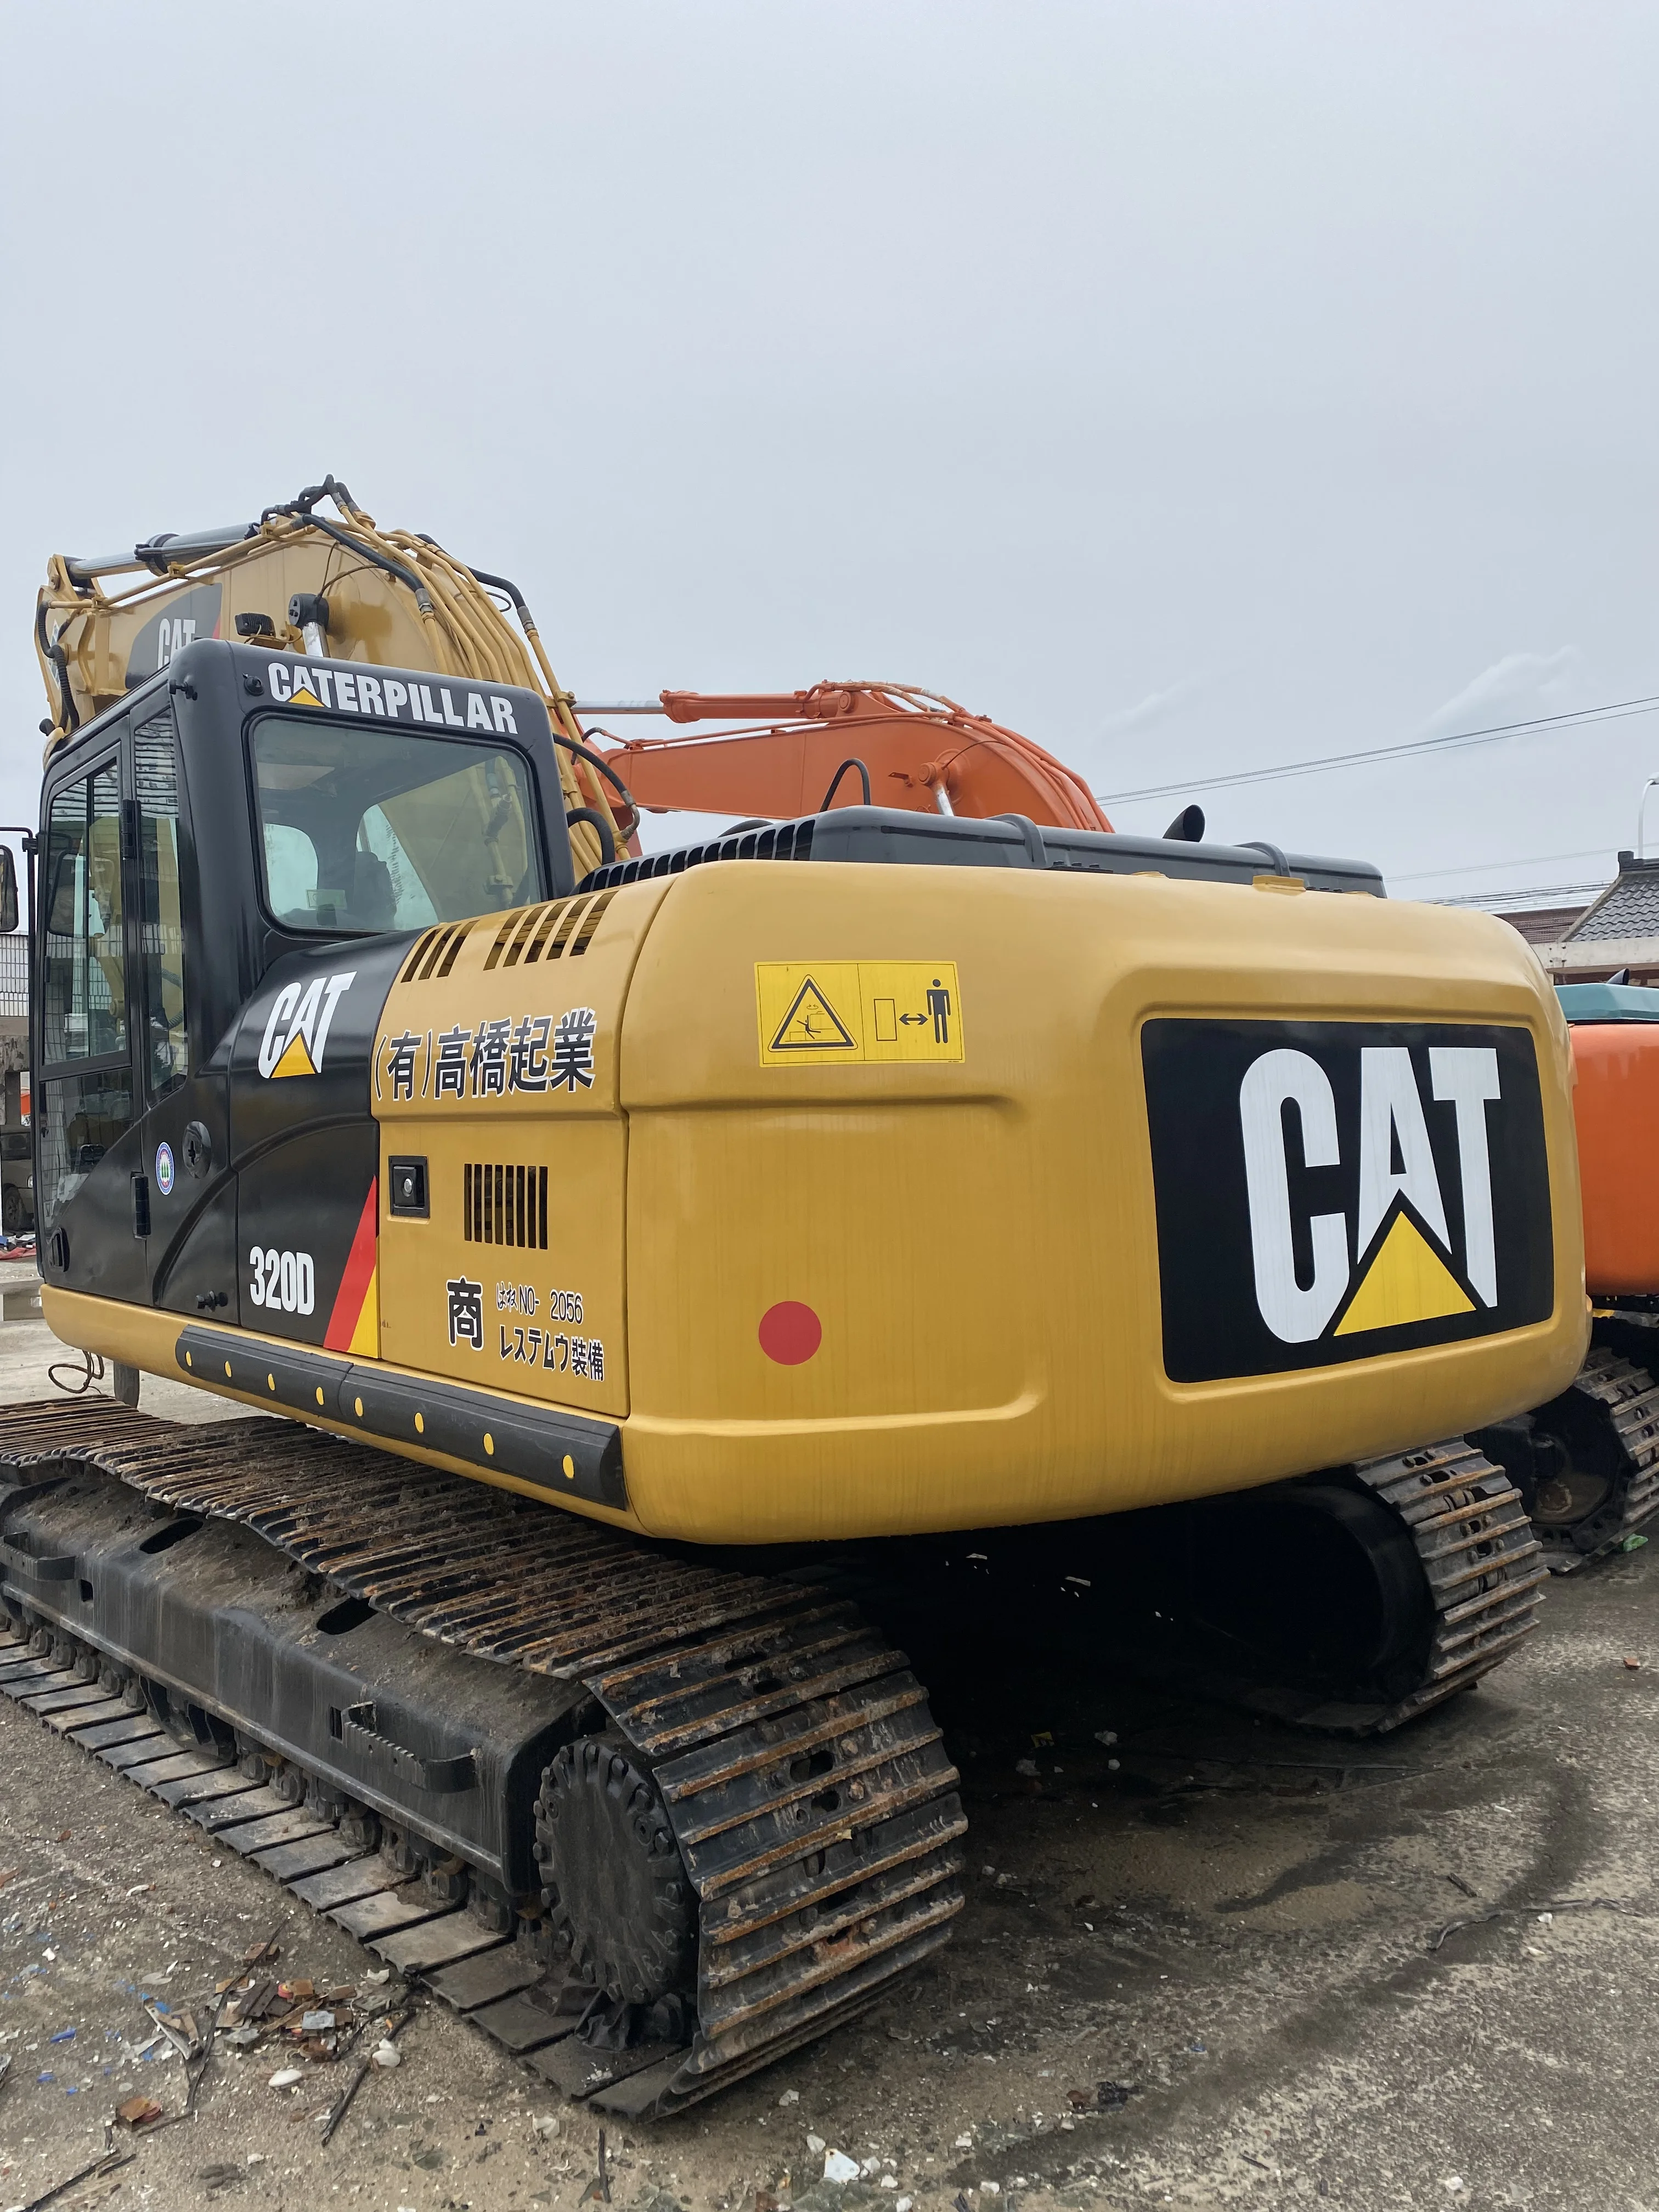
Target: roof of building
1628	908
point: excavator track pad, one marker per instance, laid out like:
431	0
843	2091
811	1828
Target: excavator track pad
457	1723
1588	1462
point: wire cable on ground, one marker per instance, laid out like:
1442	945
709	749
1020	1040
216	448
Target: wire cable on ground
63	1375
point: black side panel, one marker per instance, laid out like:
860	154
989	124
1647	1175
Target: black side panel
304	1140
105	1257
300	1205
305	1042
199	1273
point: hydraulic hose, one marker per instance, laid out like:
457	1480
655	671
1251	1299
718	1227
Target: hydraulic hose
852	761
607	836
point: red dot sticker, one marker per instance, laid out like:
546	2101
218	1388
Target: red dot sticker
790	1333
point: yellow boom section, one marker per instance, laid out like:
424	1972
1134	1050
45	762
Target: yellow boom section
394	599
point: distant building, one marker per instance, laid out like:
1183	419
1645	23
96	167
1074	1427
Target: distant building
1542	925
1617	931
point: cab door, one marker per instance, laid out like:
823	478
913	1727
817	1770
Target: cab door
186	1207
135	1197
89	1149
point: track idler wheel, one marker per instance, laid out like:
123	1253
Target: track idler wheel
613	1881
1578	1464
1319	1579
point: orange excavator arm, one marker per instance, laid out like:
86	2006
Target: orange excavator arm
842	744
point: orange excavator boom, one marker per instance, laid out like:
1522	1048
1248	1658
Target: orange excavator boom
844	744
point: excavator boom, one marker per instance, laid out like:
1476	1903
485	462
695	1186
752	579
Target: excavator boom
886	744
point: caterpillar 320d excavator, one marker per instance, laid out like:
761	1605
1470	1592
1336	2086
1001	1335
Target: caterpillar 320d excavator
589	1218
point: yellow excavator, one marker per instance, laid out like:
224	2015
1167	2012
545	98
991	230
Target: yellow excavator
581	1220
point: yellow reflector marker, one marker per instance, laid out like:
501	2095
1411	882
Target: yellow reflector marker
227	1367
272	1379
420	1424
490	1443
358	1403
320	1394
189	1362
569	1469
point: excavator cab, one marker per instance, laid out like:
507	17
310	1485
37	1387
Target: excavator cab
193	842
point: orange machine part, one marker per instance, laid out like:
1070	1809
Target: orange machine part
914	744
1616	1104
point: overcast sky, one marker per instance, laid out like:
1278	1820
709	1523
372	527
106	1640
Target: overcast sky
1192	386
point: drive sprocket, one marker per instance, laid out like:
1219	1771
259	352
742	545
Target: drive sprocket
613	1879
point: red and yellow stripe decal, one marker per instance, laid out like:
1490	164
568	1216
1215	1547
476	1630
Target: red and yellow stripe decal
353	1326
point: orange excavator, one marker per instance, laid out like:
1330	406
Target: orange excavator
1587	1463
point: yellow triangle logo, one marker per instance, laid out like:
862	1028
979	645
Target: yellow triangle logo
811	1024
1407	1281
303	697
296	1059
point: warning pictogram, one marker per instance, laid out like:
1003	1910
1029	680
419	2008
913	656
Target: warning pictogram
858	1013
811	1024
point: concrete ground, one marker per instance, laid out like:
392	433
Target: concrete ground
1238	1930
29	1350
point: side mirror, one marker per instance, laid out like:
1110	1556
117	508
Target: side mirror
60	894
8	891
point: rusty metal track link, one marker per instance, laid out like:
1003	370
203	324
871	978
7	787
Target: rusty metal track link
806	1783
1484	1566
1627	1399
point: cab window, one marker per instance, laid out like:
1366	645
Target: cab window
363	829
162	929
83	1011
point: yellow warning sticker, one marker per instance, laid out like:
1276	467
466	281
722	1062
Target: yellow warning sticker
813	1013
